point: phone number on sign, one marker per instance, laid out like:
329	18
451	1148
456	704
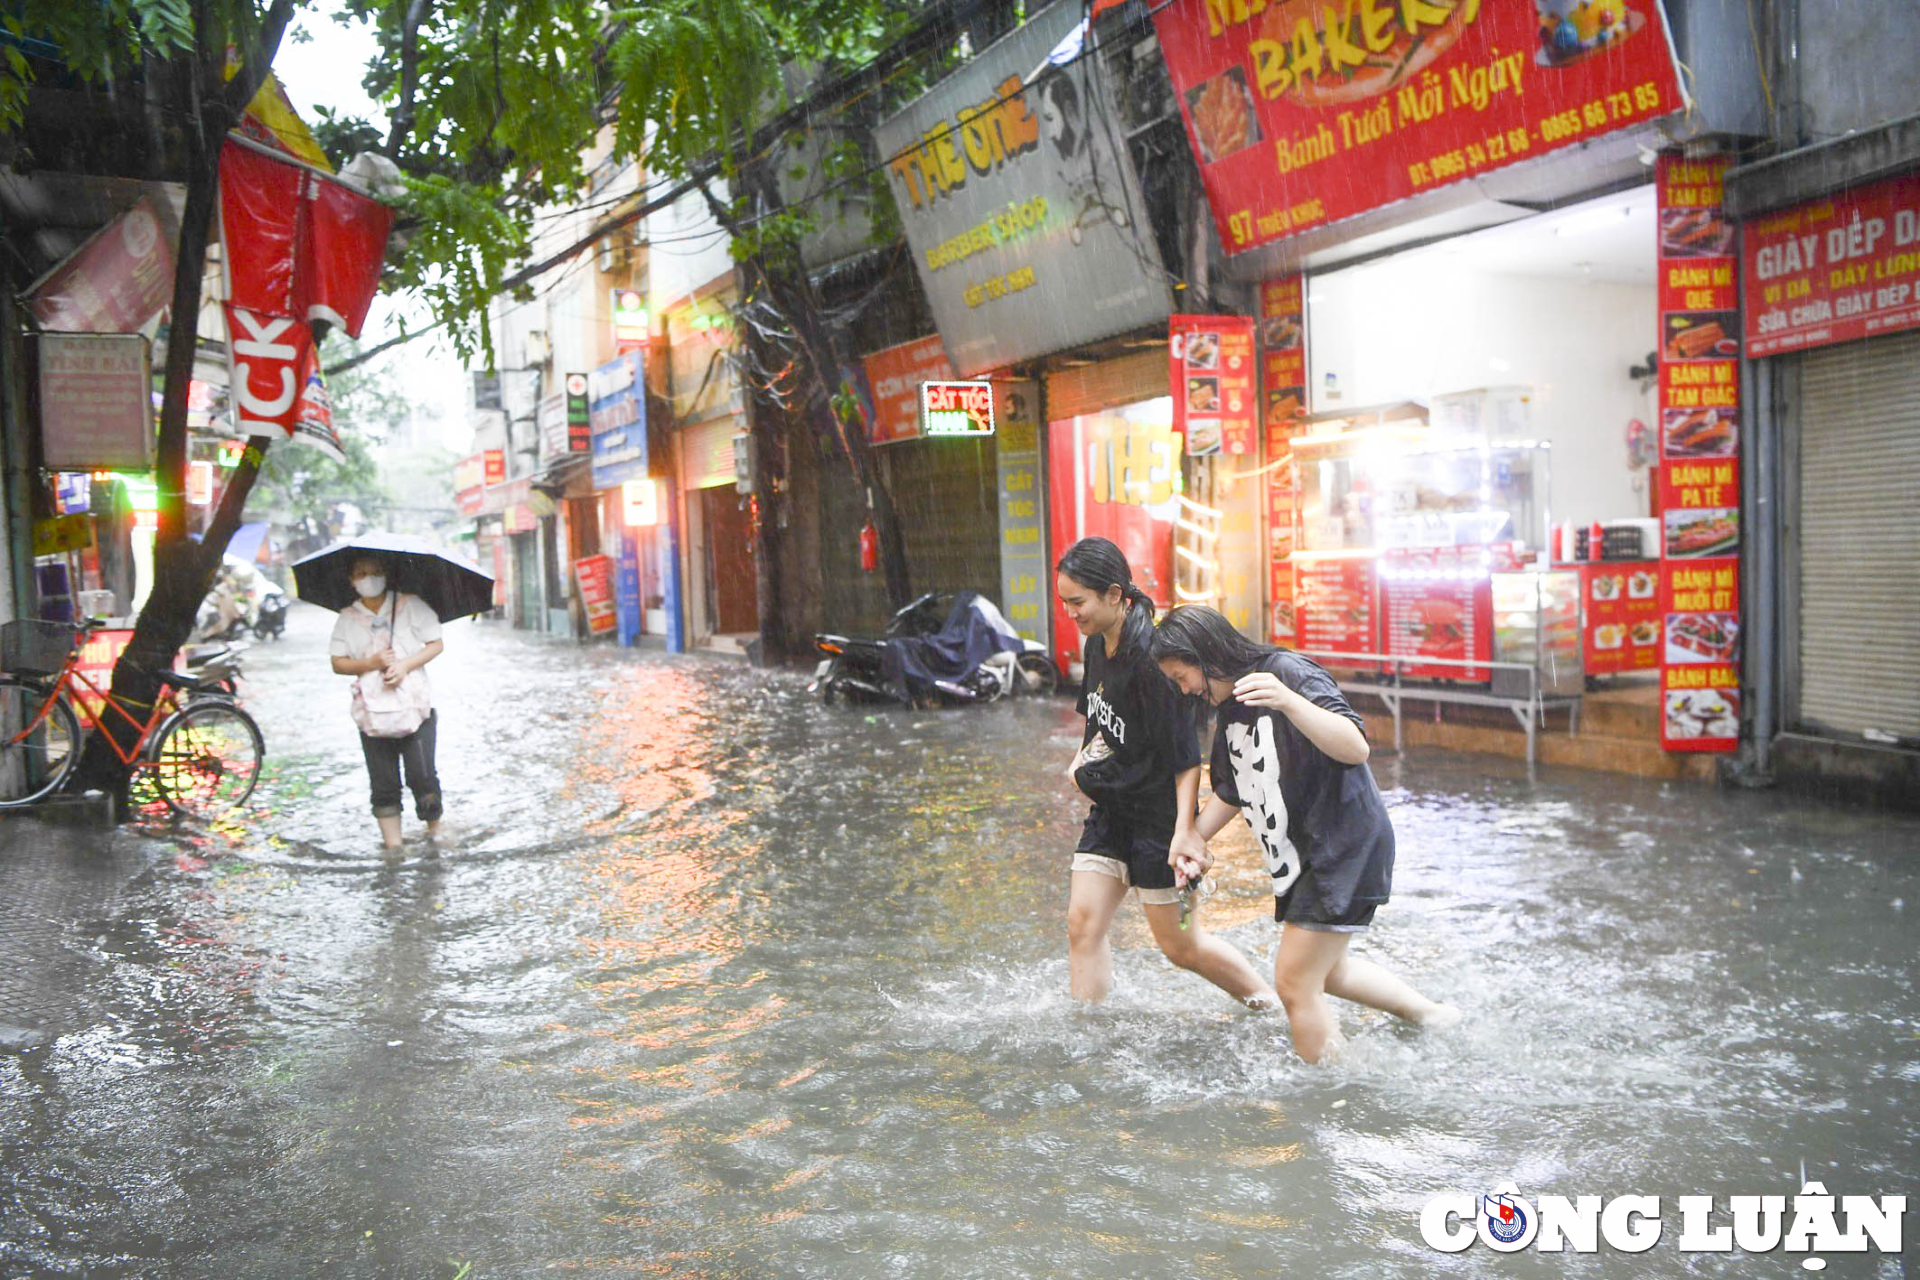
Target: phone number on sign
1602	113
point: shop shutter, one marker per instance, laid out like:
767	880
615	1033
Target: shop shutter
1860	538
1093	387
707	452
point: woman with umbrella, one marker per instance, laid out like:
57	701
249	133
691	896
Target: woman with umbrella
384	639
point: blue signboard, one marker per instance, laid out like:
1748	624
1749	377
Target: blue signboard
626	590
617	417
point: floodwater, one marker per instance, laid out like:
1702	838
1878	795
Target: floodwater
713	981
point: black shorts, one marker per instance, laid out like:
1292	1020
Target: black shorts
1144	854
1341	892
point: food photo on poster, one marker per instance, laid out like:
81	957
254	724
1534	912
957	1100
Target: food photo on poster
1695	533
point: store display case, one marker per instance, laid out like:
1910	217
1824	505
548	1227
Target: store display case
1399	528
1536	621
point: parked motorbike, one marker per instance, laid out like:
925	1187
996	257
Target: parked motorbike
216	666
937	651
270	616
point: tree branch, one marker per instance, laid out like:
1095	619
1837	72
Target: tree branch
411	21
259	59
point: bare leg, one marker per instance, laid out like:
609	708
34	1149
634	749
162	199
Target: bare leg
1300	971
389	832
1092	900
1218	961
1359	979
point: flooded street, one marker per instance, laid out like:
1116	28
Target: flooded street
711	980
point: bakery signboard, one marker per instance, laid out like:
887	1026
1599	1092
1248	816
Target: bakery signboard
1835	269
1302	112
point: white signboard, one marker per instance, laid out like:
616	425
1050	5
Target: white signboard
96	402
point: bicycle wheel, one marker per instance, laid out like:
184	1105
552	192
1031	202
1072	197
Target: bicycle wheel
34	762
207	759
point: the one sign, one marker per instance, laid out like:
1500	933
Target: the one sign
629	317
115	282
1024	580
96	402
1699	474
894	377
1020	204
957	408
1834	270
617	413
640	504
1214	390
594	574
1301	114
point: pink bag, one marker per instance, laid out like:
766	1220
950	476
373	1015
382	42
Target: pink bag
392	711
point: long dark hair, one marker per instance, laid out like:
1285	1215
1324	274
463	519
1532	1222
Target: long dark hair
1097	564
1195	634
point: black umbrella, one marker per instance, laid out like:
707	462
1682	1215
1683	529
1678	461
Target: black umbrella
451	586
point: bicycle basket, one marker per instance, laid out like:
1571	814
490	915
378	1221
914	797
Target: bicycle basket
29	647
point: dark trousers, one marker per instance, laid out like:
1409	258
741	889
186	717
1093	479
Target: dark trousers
384	758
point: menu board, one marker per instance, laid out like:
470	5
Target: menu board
1434	609
1699	474
1213	383
1333	606
1283	401
1622	600
594	574
1302	113
1843	267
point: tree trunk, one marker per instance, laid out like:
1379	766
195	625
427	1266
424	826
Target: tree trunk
183	570
783	273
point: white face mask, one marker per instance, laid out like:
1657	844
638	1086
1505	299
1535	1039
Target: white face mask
370	586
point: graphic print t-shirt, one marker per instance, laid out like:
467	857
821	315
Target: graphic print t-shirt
1148	727
1306	808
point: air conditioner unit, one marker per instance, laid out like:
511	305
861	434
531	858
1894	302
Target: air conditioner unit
611	253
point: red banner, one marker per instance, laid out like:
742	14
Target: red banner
1623	616
271	358
595	576
297	243
1212	373
1302	112
115	282
894	377
1283	399
1699	480
1334	612
1834	270
1434	609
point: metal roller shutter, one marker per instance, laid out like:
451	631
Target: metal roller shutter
1091	388
1860	538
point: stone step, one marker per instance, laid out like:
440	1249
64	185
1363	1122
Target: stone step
1639	754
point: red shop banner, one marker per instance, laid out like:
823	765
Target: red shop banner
595	576
1302	112
1212	373
1699	480
1436	604
894	376
1283	353
1333	606
1834	270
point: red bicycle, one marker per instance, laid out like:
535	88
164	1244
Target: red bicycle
199	748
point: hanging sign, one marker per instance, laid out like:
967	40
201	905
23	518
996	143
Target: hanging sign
1020	203
1212	371
894	377
1023	551
115	282
617	418
957	408
1302	113
96	402
1699	476
1835	269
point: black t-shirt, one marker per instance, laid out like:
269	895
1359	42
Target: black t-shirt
1149	728
1307	808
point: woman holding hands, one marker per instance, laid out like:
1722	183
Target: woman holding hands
1290	753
